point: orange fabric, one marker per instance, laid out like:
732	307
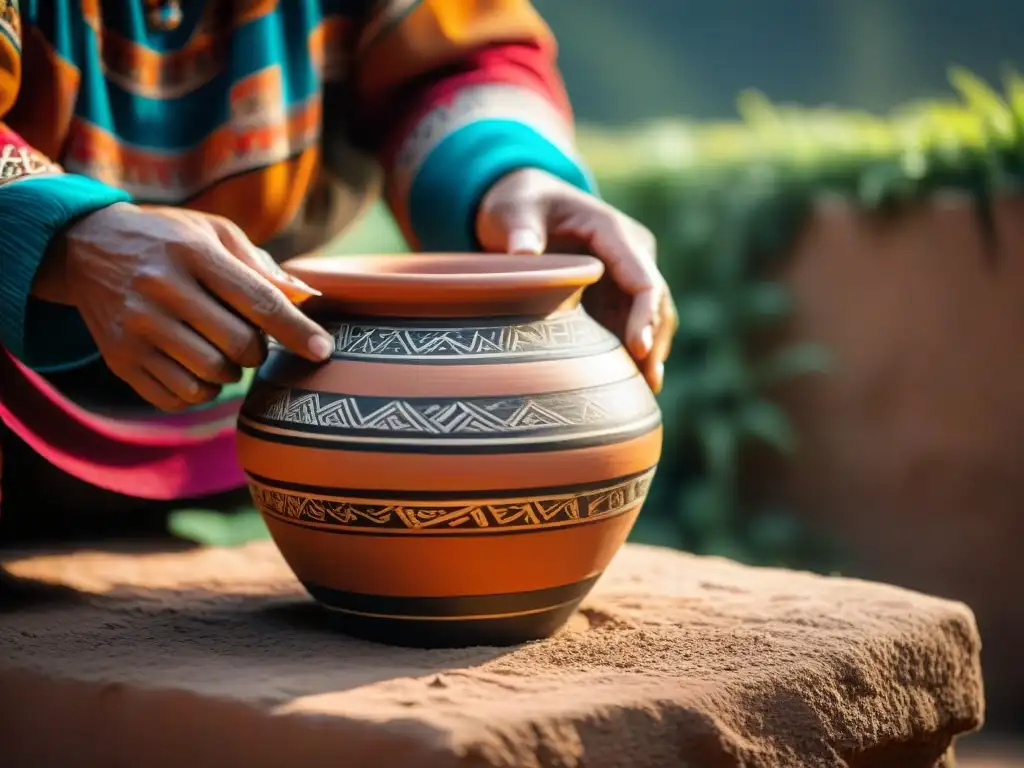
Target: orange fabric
436	32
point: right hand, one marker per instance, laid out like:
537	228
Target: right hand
178	301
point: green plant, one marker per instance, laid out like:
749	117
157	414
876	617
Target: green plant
726	201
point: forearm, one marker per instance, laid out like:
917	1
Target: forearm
37	202
480	98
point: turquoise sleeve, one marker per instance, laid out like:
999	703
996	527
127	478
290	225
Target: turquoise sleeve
454	177
44	336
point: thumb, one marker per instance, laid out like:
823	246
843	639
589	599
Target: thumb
512	226
239	245
526	240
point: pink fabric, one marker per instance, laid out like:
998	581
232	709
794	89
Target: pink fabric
162	459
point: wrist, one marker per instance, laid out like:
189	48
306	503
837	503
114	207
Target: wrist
50	282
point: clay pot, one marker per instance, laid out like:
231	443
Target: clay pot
468	462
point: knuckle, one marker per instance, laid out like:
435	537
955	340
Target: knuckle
134	318
641	239
204	393
619	227
504	208
242	345
190	247
225	227
647	240
266	299
217	369
148	279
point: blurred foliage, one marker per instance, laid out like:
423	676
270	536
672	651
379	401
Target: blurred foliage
725	201
626	61
218	529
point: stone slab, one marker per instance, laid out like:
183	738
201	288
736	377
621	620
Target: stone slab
214	657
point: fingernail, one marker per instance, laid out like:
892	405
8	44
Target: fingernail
321	347
296	290
647	339
526	242
299	284
659	377
279	272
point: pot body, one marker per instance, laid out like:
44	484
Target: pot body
452	481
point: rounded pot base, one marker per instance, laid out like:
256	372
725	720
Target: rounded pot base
453	622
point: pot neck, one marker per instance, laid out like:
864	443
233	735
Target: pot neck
449	303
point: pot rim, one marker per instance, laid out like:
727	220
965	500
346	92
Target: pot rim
456	271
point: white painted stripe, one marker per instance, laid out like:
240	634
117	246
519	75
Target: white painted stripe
494	101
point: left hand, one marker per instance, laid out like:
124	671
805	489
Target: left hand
531	211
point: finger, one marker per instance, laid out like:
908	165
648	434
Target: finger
178	380
654	364
238	244
635	272
195	353
528	241
263	304
517	227
151	390
239	341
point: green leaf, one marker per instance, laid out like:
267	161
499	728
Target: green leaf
984	101
877	184
218	529
769	423
1015	94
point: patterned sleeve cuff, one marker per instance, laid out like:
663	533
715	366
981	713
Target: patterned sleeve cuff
45	336
459	150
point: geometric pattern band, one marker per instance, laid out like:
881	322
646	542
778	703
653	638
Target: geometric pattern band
516	514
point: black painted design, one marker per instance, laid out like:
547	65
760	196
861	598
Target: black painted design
541	510
466	446
573	334
446	622
607	407
462	606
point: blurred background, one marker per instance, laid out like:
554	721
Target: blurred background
630	60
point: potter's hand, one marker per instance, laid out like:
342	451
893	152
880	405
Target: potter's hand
176	301
531	211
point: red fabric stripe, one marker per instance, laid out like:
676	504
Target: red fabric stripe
9	137
527	65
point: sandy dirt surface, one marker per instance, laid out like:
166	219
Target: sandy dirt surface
215	657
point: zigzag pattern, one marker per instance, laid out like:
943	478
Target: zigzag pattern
477	416
575	332
536	512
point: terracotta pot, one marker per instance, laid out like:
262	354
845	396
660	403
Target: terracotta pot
468	462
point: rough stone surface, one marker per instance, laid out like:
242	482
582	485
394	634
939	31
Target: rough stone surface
215	657
913	443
